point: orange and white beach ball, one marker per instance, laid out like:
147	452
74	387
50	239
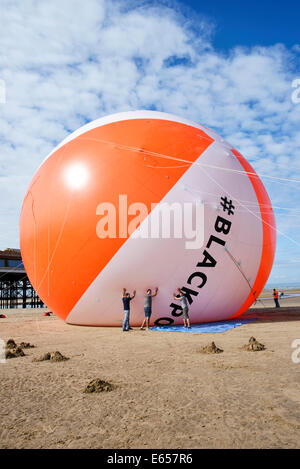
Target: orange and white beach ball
144	199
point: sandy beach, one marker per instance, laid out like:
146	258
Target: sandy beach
166	394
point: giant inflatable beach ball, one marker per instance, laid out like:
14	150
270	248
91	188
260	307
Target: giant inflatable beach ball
140	200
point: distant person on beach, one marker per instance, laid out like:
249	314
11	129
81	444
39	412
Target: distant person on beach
148	307
126	305
184	305
275	296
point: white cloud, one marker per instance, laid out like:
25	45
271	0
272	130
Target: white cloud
66	62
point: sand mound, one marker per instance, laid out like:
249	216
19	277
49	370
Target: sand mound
52	357
10	344
57	357
14	353
26	345
44	357
253	345
19	352
98	385
13	350
211	348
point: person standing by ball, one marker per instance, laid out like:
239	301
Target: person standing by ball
184	305
275	296
148	307
126	305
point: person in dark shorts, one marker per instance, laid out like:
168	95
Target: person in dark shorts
148	307
184	305
126	305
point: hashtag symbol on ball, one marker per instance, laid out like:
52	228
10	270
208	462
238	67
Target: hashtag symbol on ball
227	205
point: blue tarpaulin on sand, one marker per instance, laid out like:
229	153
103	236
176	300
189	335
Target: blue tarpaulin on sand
210	327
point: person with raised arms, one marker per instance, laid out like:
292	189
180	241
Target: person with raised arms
126	305
148	307
184	305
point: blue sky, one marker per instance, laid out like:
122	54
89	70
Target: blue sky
264	22
227	65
